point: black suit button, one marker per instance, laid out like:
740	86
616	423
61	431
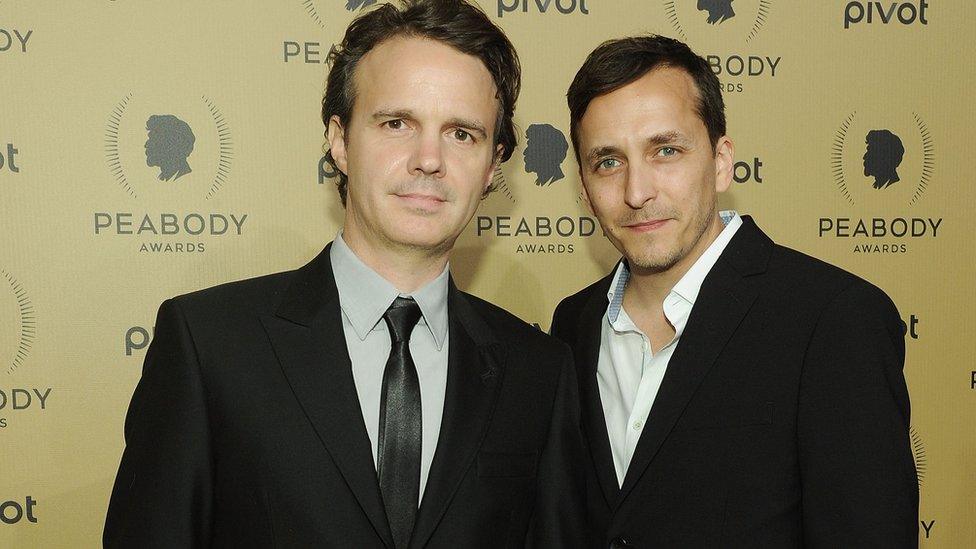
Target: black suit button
619	543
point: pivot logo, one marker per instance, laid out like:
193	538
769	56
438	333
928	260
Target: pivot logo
14	40
910	328
173	150
13	511
745	171
730	25
19	323
906	13
10	160
884	162
544	153
136	338
564	7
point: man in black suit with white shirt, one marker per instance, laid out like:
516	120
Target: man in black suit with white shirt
735	393
363	400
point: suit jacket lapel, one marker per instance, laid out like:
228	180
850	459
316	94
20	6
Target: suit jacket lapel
587	357
721	305
476	365
308	339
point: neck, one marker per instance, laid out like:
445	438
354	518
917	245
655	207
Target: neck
407	269
648	287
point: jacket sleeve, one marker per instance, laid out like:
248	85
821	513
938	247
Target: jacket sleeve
857	470
162	494
559	520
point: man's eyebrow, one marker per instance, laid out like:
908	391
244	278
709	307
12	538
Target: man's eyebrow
597	152
393	114
668	138
468	124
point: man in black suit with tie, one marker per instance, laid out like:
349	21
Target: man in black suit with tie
362	400
734	392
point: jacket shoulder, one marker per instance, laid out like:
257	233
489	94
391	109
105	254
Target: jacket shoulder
256	295
510	328
571	306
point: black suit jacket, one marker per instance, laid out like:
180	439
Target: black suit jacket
782	419
246	431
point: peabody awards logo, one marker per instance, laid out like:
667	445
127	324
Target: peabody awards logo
341	12
882	162
172	155
19	326
546	148
13	40
544	153
734	24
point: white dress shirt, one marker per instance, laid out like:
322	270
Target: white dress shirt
628	373
364	297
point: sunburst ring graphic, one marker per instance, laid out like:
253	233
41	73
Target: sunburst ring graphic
837	157
761	16
226	148
313	13
500	184
112	145
764	8
28	322
928	158
918	451
672	14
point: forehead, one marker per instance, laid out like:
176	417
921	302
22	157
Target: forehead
664	99
420	73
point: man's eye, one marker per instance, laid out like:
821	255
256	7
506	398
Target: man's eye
462	135
668	151
396	124
608	164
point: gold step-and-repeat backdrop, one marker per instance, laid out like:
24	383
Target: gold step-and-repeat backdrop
148	149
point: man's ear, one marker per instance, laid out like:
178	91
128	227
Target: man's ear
337	143
495	163
724	163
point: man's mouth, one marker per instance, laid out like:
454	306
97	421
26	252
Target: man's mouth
646	226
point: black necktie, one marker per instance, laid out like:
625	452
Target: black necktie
401	425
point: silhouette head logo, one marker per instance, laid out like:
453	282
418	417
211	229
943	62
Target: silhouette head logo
544	153
353	5
718	10
882	157
169	145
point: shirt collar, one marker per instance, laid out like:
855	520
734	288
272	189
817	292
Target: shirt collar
364	295
689	285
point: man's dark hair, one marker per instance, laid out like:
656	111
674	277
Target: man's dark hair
455	23
616	63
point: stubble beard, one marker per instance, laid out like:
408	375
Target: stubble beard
648	262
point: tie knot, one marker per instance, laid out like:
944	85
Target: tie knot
401	317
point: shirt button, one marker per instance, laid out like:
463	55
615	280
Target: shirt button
637	425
